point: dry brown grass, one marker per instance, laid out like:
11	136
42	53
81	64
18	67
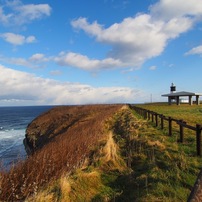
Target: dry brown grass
110	155
85	183
81	188
63	154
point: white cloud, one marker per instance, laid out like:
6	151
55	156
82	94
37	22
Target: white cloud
142	37
35	61
176	26
38	57
30	39
20	86
168	9
133	41
83	62
16	13
16	61
55	73
33	11
195	51
152	68
4	19
17	39
93	29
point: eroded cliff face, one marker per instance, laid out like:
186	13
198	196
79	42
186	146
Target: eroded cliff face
57	121
48	125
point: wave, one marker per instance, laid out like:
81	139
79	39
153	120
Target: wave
11	145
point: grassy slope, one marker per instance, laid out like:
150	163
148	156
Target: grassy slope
132	162
138	164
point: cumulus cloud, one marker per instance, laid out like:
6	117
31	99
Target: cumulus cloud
16	61
144	36
30	39
35	61
83	62
16	13
132	41
195	51
21	86
17	39
38	57
168	9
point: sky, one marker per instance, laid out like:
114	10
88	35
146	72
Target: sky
104	51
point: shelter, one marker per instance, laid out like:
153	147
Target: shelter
175	96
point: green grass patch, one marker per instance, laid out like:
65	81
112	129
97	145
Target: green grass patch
192	114
162	168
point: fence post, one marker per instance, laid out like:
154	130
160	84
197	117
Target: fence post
170	126
156	117
162	124
181	131
145	114
148	115
142	112
198	139
152	117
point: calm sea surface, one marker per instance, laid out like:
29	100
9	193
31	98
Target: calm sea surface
13	123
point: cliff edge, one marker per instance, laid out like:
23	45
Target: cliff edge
58	121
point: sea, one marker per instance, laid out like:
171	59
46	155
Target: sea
13	124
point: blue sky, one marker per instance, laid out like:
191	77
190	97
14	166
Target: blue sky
104	51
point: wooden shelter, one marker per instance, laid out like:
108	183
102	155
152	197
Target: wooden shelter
175	96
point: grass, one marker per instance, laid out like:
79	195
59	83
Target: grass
191	114
126	159
162	169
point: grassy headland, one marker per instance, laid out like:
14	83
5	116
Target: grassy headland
114	155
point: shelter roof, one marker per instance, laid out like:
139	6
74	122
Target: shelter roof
181	93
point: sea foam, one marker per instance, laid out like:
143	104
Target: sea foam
11	146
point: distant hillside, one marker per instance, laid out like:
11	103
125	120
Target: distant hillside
99	153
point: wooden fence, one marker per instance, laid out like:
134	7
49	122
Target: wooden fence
160	118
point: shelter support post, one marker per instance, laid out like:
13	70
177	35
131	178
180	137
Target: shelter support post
169	100
197	100
178	100
190	100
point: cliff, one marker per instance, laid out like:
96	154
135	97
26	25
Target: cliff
58	121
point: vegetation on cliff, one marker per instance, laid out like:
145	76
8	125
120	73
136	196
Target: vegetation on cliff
63	154
108	154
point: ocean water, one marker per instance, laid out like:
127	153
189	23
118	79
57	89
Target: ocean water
13	123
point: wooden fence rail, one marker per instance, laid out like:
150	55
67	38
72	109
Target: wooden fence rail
155	117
